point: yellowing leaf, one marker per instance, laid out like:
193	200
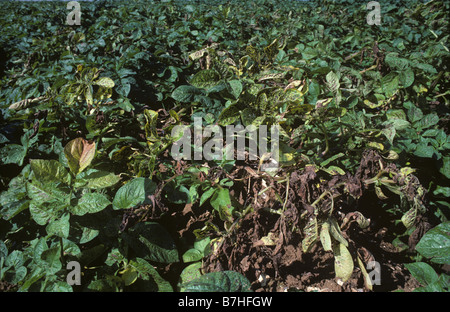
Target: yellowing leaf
105	82
376	145
79	154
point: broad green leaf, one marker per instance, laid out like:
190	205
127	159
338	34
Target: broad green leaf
390	83
424	150
422	272
394	61
148	278
88	234
13	154
343	262
79	154
152	242
110	283
191	272
96	179
186	94
203	245
43	213
235	88
13	201
90	203
206	78
206	195
49	192
229	115
50	259
406	77
224	281
135	192
50	171
414	114
192	255
221	202
435	244
427	121
59	227
89	255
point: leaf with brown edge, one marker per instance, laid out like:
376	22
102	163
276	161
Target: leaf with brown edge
79	153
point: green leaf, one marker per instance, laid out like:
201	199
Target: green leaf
152	242
90	203
335	231
334	170
235	88
186	94
224	281
96	179
136	192
422	272
192	255
49	171
406	77
427	121
190	273
414	114
13	154
59	227
389	84
88	234
221	202
435	244
149	278
424	150
396	62
332	81
206	78
43	212
51	260
445	169
325	237
343	262
206	195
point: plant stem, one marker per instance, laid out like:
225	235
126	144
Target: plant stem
62	252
